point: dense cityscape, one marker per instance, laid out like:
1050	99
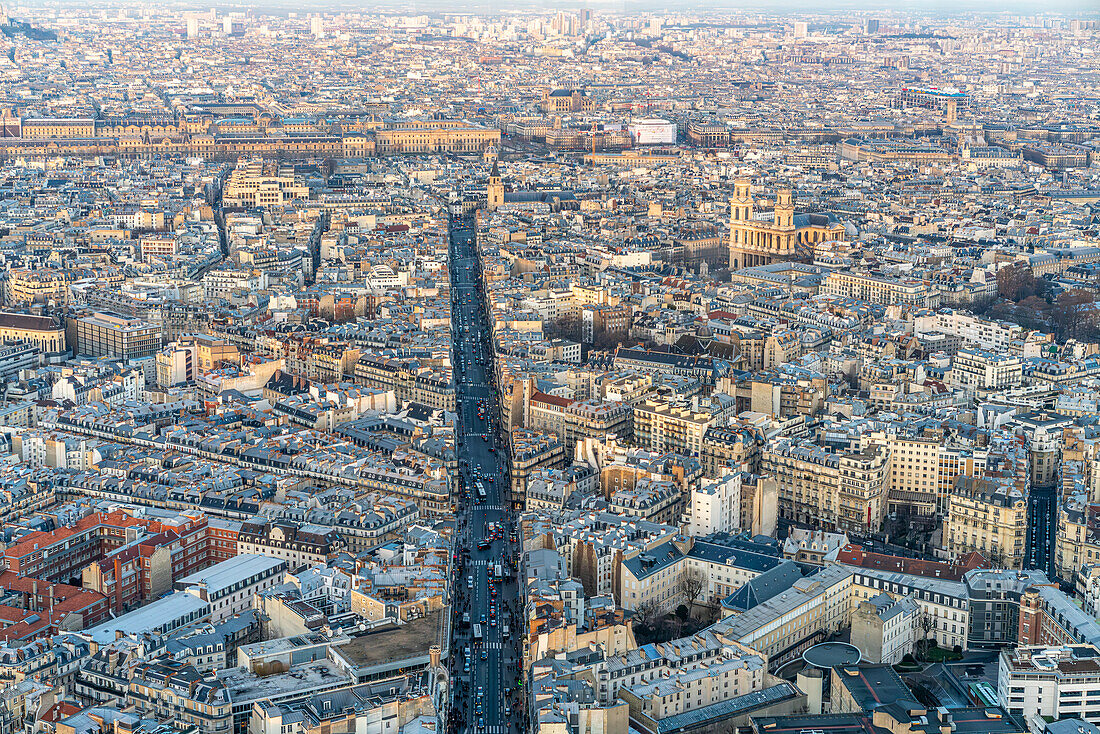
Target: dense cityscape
581	370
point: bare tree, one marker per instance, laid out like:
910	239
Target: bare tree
692	583
646	614
1074	314
565	326
926	624
1017	282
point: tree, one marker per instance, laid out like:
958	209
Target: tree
692	583
925	624
1016	282
565	326
606	340
1073	314
646	615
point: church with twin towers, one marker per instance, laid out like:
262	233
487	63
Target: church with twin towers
785	236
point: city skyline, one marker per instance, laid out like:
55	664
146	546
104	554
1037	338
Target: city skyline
550	368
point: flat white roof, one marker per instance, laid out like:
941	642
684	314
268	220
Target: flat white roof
228	572
164	614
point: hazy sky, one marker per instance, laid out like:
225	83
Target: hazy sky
1072	8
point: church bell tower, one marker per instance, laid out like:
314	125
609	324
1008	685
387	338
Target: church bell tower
495	189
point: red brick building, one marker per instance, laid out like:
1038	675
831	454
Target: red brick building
127	560
44	609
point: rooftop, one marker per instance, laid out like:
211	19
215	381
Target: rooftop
236	569
164	615
393	644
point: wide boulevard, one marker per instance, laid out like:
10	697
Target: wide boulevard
485	661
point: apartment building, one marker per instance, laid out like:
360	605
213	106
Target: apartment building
715	506
995	597
971	330
736	447
573	420
759	504
989	517
779	394
655	500
228	587
176	691
885	629
1050	682
732	673
191	356
879	289
1076	542
43	285
944	602
379	706
320	358
594	544
532	451
956	461
652	577
62	554
110	335
410	381
1048	616
844	491
1044	432
262	183
175	365
299	546
980	371
141	571
923	470
220	283
662	426
34	609
931	98
703	367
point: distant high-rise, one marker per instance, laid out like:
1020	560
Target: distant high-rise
801	30
564	24
317	26
872	25
192	26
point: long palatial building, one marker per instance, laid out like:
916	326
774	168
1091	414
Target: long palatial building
785	237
